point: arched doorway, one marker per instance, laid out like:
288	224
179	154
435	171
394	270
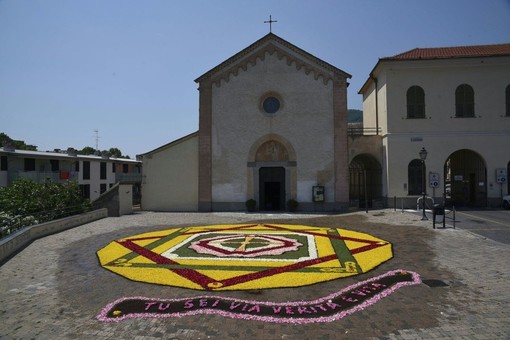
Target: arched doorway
364	181
465	179
272	176
272	188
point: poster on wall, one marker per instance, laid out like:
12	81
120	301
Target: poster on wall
318	193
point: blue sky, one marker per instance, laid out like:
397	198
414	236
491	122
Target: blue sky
127	68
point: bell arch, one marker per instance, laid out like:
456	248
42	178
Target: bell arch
465	175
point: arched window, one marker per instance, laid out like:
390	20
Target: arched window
415	177
464	101
415	102
507	92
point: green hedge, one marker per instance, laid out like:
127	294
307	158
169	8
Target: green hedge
25	202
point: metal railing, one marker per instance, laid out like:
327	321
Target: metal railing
363	131
41	176
128	177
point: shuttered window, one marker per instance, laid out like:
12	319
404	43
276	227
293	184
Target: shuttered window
415	102
464	101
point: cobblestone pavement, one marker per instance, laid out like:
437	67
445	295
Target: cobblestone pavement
55	287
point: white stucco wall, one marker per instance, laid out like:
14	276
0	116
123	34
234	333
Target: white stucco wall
305	120
487	134
369	115
95	180
125	199
375	104
440	148
439	79
170	177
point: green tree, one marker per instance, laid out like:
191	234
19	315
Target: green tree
4	138
18	144
88	150
115	152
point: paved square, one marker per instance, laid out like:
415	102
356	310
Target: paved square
55	287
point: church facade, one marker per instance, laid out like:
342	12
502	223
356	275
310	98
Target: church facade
272	128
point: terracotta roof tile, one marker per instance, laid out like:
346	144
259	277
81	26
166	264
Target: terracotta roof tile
453	52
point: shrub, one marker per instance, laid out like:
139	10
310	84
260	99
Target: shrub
25	202
251	204
9	223
292	204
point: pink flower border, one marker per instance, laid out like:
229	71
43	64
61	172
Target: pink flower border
103	315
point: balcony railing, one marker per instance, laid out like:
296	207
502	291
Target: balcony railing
41	176
129	177
363	131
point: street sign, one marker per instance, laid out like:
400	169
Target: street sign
501	176
433	179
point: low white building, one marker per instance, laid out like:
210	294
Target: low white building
94	174
170	181
455	103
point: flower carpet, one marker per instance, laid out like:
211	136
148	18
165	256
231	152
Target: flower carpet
244	256
250	257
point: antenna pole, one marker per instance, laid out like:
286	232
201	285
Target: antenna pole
97	139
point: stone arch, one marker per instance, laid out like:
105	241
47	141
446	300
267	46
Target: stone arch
277	140
272	176
365	176
271	151
465	175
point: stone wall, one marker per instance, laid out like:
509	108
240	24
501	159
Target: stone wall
20	239
118	200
